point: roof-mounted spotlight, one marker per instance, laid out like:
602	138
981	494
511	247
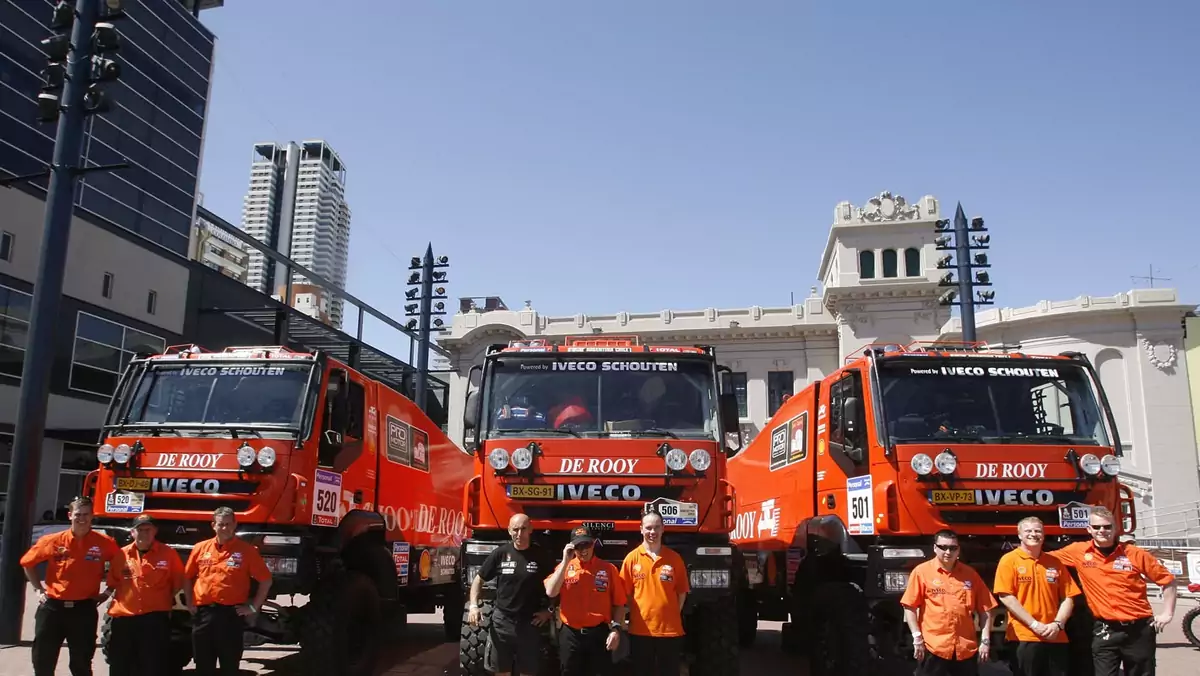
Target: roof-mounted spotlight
981	240
981	259
943	224
986	295
942	240
947	279
977	223
415	264
948	298
982	277
414	278
944	262
411	294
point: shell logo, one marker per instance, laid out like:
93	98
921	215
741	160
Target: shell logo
426	564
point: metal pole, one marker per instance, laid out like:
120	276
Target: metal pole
42	342
966	293
423	336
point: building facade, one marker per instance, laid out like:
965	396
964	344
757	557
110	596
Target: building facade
297	205
880	285
220	250
127	270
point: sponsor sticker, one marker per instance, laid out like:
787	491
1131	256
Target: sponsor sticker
326	490
124	502
675	513
860	505
1074	515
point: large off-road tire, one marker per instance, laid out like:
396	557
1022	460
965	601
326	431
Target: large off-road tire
1191	626
747	611
714	630
339	633
472	641
840	621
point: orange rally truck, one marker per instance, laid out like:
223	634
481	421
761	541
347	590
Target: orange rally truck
596	432
350	492
840	494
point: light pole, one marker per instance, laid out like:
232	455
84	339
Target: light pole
77	68
962	243
426	312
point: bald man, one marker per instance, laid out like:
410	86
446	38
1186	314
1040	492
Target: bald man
521	607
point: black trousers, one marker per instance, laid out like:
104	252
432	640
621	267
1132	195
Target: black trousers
1033	658
656	655
74	622
933	665
139	644
1129	644
217	637
582	652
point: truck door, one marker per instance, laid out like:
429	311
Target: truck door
843	464
343	437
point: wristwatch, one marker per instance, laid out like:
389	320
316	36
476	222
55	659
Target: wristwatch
614	625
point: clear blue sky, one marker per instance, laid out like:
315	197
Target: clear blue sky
630	155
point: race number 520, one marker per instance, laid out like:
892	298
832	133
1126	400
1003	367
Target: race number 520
326	489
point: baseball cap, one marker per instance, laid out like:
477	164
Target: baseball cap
144	519
582	535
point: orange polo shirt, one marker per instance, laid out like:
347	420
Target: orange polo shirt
1113	584
1040	585
75	565
222	573
589	593
655	586
945	601
148	581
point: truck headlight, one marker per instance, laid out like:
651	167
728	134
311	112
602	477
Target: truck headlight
266	457
700	459
709	579
245	455
1111	465
1090	464
104	454
946	462
121	454
522	458
282	565
895	580
676	459
922	464
498	459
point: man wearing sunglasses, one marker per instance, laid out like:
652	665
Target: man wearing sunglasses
1111	574
940	604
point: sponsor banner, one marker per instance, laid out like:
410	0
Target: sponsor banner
591	365
987	371
599	465
193	461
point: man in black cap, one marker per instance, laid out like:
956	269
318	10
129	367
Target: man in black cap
591	607
141	608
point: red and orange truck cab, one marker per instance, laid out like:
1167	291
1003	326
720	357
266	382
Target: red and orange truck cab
853	475
595	431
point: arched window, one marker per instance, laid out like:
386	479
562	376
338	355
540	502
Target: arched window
866	265
889	262
912	262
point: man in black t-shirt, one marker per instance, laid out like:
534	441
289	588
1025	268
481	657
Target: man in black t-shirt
514	641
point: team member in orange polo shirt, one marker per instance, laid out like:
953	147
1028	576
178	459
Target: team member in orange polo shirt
591	607
942	597
141	608
1111	574
656	579
1036	588
67	602
220	571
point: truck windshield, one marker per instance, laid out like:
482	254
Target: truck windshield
990	401
216	394
602	397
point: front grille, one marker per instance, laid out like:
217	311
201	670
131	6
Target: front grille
206	505
988	518
614	512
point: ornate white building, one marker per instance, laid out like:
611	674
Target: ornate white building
880	284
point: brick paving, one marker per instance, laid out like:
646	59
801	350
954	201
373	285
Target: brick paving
422	653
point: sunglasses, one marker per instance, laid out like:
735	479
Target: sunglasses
947	548
1105	526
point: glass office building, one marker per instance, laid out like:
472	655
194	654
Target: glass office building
156	124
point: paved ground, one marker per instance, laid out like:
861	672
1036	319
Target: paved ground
423	653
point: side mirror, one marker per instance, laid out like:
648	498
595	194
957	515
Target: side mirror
731	425
471	412
850	415
333	438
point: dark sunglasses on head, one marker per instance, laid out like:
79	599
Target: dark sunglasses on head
947	548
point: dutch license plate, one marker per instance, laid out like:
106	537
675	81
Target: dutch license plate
531	492
128	483
953	497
